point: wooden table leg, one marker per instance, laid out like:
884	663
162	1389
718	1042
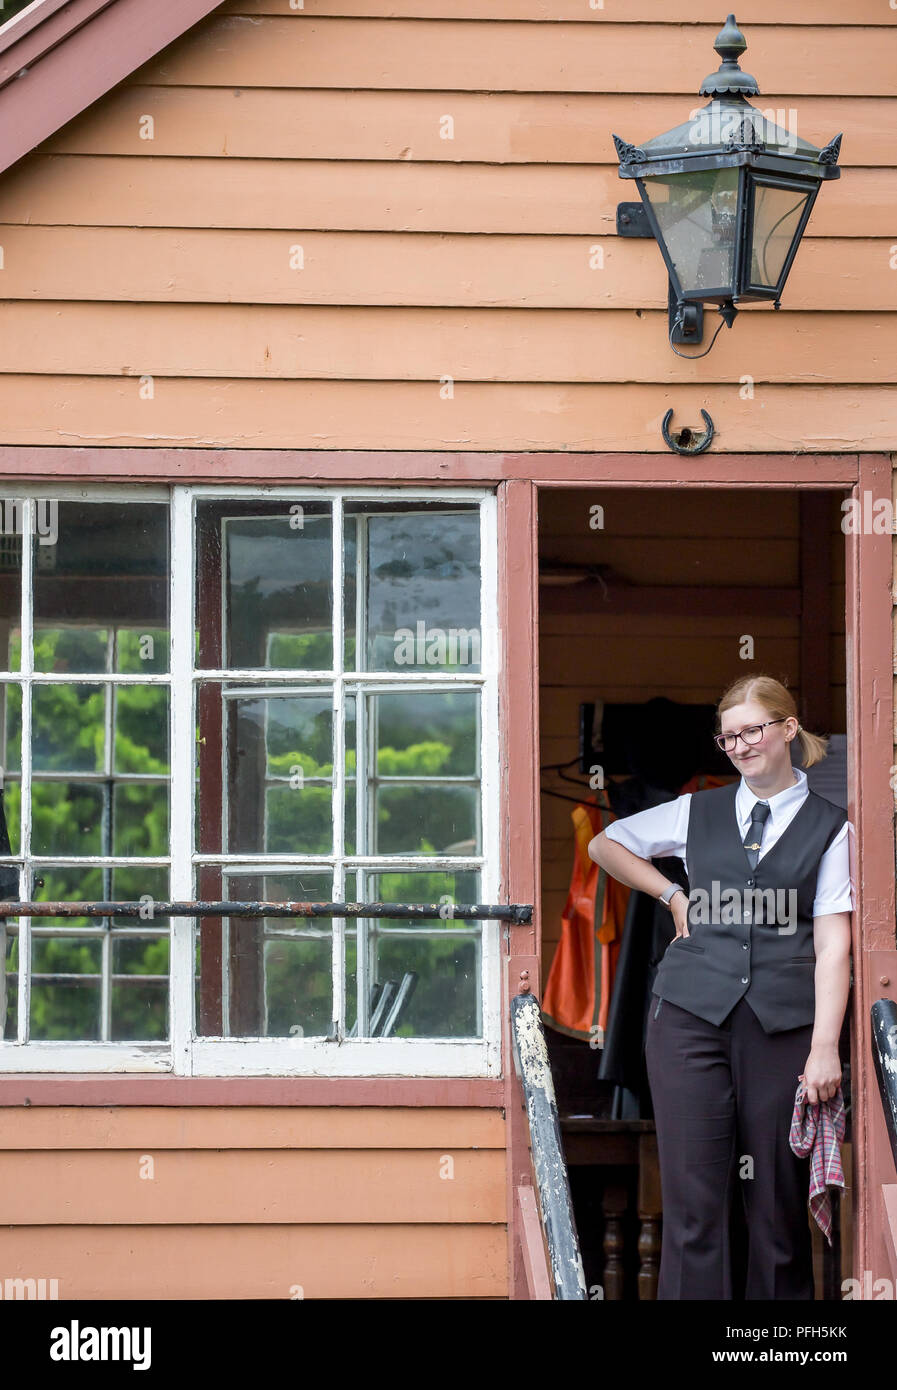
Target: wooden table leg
613	1206
650	1210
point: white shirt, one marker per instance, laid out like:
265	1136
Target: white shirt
663	830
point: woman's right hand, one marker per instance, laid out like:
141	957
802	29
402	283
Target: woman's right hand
679	906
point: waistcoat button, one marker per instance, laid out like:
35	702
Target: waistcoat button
744	979
744	945
751	882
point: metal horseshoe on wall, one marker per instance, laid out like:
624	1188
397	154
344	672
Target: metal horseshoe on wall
686	440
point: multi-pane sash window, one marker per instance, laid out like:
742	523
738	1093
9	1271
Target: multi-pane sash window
250	695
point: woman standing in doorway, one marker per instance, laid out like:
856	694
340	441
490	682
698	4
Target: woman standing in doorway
748	998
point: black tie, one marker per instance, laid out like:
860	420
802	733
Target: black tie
755	832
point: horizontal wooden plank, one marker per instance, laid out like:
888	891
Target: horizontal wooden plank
239	1262
101	1090
404	344
462	55
566	604
349	268
258	1127
248	1186
563	658
607	628
559	705
666	512
815	12
333	415
698	558
309	195
488	127
550	469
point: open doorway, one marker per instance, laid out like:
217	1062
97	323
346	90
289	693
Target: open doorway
661	594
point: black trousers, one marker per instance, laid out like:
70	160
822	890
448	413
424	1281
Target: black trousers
723	1099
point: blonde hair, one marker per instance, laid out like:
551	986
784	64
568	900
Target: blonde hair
777	699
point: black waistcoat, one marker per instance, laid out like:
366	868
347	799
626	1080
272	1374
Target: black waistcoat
770	958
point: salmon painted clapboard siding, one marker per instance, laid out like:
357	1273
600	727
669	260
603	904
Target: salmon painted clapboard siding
299	256
256	1202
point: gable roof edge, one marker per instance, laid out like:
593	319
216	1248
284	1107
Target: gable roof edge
60	56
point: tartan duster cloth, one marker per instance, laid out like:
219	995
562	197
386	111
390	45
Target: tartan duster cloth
818	1130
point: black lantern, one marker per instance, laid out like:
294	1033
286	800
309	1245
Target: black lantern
727	195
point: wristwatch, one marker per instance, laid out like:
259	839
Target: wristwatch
668	894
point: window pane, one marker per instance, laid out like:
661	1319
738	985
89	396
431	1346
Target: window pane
10	782
777	214
139	819
139	988
274	974
105	815
70	883
68	728
277	753
11	526
265	585
9	1001
140	809
67	817
418	820
352	809
120	993
437	962
140	653
131	885
422	740
108	569
66	987
11	695
421	607
697	213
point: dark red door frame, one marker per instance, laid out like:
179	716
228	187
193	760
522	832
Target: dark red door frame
870	728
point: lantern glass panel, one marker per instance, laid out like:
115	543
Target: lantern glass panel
698	218
777	217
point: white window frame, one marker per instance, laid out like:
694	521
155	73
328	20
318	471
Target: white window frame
185	1054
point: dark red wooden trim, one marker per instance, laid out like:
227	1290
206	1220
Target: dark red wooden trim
58	60
815	510
251	1090
870	726
520	817
209	706
297	466
591	597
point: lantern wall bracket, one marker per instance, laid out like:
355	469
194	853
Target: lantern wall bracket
686	322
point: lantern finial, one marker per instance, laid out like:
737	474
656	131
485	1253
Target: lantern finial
730	44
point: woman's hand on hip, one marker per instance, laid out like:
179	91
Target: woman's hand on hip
679	908
821	1074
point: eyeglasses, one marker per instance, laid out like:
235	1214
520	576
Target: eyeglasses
752	734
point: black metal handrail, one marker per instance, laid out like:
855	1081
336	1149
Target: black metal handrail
884	1055
556	1207
518	913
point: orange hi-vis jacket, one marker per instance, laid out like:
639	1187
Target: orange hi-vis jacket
581	979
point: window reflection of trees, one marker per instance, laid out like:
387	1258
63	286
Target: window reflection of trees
98	773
